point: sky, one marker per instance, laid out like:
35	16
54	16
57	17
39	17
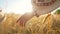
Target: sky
16	6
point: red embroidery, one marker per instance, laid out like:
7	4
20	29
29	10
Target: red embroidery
46	4
40	0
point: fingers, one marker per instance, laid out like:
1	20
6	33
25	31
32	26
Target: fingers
24	18
21	21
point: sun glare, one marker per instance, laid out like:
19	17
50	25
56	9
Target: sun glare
20	7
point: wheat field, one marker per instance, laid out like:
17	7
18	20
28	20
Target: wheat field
44	24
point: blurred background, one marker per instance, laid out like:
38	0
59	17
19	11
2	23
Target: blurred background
16	6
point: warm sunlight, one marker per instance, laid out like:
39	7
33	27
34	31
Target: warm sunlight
19	6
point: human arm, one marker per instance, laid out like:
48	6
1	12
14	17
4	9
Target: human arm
24	18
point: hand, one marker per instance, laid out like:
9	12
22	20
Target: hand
24	18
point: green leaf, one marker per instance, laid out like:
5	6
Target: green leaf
58	11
